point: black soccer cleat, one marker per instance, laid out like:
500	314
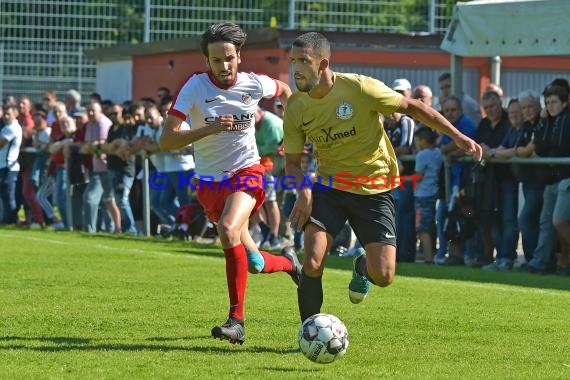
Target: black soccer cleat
291	255
233	330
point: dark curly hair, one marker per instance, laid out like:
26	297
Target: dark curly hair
223	32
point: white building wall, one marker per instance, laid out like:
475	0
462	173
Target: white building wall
115	80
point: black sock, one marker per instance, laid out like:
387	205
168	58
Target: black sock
362	269
265	230
309	296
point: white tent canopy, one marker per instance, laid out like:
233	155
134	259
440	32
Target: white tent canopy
509	28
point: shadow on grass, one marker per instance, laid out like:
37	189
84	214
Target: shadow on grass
59	344
421	270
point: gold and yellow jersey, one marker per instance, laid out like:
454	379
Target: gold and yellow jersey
351	147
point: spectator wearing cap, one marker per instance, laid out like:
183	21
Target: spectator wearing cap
400	130
72	101
403	86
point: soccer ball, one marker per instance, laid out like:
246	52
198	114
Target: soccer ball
323	338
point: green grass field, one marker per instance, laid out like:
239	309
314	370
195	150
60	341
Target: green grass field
74	306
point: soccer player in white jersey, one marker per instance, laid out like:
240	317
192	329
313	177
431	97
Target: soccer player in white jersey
220	106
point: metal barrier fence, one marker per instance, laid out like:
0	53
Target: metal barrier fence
42	41
146	174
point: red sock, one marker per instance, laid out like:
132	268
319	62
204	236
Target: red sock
274	263
236	276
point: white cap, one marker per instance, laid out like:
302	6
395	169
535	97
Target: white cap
401	84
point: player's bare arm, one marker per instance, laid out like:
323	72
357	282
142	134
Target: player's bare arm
284	92
435	120
303	205
173	138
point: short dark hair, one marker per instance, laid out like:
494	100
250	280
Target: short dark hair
558	91
316	41
427	134
562	82
444	76
11	106
40	113
491	95
455	99
223	32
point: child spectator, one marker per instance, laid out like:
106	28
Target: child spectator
428	165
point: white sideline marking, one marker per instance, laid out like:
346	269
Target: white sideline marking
195	256
470	284
192	256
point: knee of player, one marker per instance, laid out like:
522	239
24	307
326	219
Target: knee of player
313	267
383	277
228	229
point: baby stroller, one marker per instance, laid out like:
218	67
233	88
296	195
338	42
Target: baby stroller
461	221
190	222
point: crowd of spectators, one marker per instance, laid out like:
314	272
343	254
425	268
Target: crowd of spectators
74	164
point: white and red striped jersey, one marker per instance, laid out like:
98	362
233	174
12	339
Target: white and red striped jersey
201	100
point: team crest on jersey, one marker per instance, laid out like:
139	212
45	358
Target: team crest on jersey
246	98
344	111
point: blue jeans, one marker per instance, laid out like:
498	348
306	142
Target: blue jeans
180	188
544	250
405	223
440	215
529	217
122	184
504	229
8	181
99	187
157	207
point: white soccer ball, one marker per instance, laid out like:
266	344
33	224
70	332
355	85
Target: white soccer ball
323	338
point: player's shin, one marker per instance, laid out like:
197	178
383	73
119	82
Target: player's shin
309	295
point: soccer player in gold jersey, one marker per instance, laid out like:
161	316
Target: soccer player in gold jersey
340	114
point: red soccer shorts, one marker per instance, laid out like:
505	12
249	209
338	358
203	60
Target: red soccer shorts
212	195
